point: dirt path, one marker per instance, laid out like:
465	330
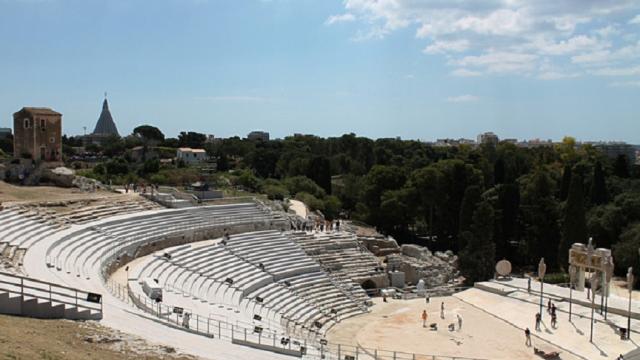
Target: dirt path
299	208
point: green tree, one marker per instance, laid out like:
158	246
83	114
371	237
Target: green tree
621	166
598	186
298	184
149	134
574	224
477	258
191	139
472	196
540	218
332	206
566	182
320	172
626	250
428	184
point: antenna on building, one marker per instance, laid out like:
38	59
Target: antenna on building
85	130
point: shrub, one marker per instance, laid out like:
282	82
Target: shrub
299	184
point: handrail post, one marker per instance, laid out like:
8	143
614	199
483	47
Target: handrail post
21	294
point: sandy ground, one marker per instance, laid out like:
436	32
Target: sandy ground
299	208
12	193
397	325
25	338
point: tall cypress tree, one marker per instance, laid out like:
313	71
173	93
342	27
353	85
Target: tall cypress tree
575	224
598	186
566	181
477	259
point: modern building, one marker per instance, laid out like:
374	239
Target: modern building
614	149
488	138
258	135
105	127
190	156
5	133
38	134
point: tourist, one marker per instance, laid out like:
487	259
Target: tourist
554	320
459	321
549	306
384	297
442	310
424	318
527	334
427	298
529	285
185	320
538	321
553	309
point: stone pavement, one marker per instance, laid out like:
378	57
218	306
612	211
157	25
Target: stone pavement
519	309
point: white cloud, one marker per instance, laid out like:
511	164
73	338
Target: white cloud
635	20
462	72
571	45
620	71
347	17
556	75
499	62
608	30
507	36
634	84
440	47
608	57
462	98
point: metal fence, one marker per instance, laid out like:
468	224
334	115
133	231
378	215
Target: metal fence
263	338
29	287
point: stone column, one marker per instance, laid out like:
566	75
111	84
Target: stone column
580	279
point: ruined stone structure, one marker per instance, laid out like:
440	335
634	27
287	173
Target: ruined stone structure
38	134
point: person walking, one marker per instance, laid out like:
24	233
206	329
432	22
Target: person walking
527	335
459	321
538	320
549	306
554	320
424	318
442	310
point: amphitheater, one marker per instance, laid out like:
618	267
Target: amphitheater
240	282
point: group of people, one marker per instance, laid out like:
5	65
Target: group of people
551	310
425	317
318	226
142	188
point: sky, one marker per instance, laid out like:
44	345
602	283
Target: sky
378	68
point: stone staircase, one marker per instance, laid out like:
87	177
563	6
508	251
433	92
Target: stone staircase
29	297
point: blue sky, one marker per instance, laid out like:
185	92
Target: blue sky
385	68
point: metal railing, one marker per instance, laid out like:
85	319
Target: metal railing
251	334
269	339
54	293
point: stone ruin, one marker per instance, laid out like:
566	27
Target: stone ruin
416	262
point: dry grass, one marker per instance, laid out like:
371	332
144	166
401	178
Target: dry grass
14	193
26	338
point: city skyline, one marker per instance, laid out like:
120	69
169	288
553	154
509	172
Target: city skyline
327	68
